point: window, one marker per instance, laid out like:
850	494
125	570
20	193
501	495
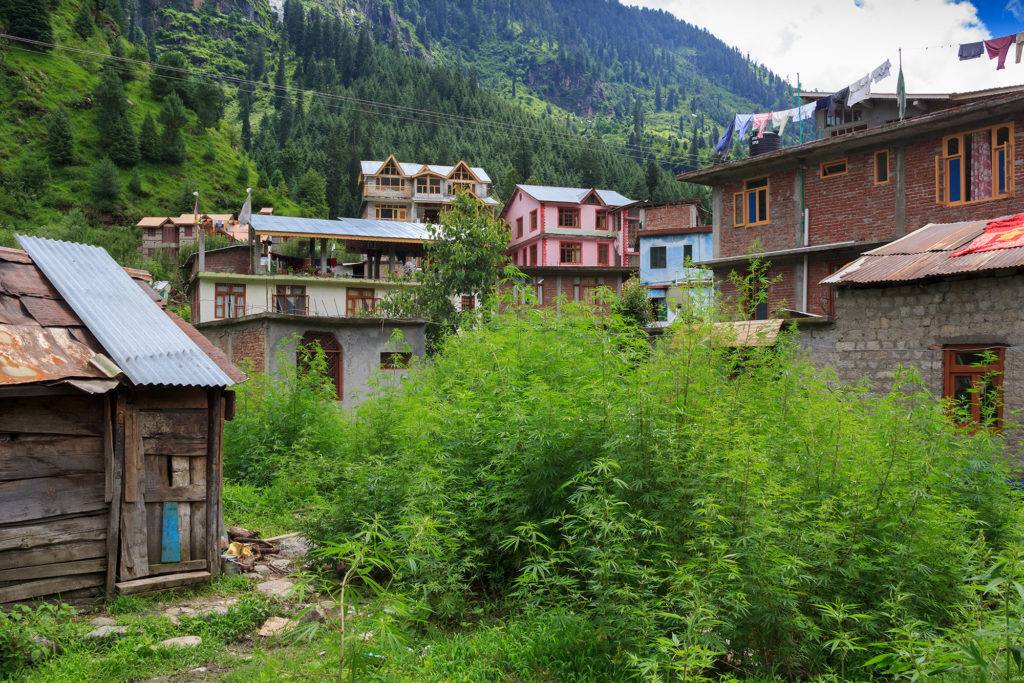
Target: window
229	301
428	185
882	167
390	178
291	299
468	302
602	254
533	220
456	188
188	232
973	379
658	257
533	254
750	207
568	218
687	253
519	227
359	301
659	311
395	360
841	117
831	169
975	166
601	221
570	252
390	212
325	341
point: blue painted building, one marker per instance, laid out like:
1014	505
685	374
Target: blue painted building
670	237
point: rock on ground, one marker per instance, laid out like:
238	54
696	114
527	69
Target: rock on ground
296	546
281	588
182	642
274	626
102	621
106	632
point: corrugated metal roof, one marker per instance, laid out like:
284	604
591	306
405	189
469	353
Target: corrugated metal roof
30	354
353	228
373	167
138	335
572	195
927	253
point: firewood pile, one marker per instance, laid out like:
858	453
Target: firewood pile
249	549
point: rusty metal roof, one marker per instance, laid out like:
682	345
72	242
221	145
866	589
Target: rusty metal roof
140	337
927	253
31	353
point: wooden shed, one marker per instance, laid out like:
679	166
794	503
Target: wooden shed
111	422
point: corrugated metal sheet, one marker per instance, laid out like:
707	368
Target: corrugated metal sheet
132	328
354	228
927	253
29	354
572	195
373	167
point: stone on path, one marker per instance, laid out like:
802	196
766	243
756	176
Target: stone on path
281	588
295	546
102	621
182	642
106	632
275	625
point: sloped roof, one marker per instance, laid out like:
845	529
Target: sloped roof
81	289
573	195
927	253
153	221
341	228
411	169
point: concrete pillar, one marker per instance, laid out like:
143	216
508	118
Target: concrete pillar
323	255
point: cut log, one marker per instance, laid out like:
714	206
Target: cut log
151	583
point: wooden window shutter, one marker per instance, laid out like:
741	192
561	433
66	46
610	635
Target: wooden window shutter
940	180
737	209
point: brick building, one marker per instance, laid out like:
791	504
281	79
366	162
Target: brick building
171	232
811	208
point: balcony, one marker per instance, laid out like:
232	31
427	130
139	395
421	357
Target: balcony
632	260
383	192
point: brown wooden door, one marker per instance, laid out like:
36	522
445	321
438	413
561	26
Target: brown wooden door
165	520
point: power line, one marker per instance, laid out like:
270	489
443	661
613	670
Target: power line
366	106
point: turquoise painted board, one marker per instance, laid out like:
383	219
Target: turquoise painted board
170	546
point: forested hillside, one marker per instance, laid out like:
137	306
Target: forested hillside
123	108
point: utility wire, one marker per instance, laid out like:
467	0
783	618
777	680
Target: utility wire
367	106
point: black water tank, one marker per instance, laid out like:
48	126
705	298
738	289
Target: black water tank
769	143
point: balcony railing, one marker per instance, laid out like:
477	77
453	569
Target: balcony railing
632	260
292	304
373	190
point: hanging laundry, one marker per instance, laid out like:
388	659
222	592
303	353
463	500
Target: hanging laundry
726	139
1020	44
780	119
838	98
1000	48
860	90
823	103
742	123
804	112
971	50
881	71
759	122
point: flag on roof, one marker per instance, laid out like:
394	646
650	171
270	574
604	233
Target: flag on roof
1005	233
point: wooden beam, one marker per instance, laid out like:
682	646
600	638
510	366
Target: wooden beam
28	457
176	494
65	552
184	566
116	428
97	564
23	537
32	499
35	589
134	559
151	583
213	478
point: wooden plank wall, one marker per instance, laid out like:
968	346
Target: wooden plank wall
53	496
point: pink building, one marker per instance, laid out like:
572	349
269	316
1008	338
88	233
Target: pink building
571	240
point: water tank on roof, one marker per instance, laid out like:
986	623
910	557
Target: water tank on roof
770	142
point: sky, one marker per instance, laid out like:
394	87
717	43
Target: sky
831	43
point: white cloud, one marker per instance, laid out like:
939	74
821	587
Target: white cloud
832	43
1015	8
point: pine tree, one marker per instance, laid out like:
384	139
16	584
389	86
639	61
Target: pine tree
149	140
172	112
60	141
242	176
28	19
122	144
311	193
135	182
83	25
281	78
651	177
105	186
172	145
111	104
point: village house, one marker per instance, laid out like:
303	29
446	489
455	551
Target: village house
570	241
944	300
171	232
262	307
397	191
811	208
672	236
111	418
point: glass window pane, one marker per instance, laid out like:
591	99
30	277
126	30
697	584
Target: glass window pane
762	205
953	175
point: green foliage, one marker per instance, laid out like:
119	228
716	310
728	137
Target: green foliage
105	185
83	25
149	140
633	304
311	193
60	140
167	77
27	634
28	19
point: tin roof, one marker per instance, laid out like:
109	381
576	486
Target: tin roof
144	342
409	169
153	221
342	228
927	253
573	195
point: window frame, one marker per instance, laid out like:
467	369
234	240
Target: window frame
468	302
533	221
355	298
603	255
944	159
577	249
741	201
401	209
294	294
600	220
662	251
888	172
824	172
952	370
573	212
220	300
519	227
687	253
533	255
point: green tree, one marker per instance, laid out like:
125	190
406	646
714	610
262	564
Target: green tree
651	178
60	140
134	183
242	176
122	144
28	19
105	185
311	193
633	305
169	74
207	101
173	118
83	25
149	140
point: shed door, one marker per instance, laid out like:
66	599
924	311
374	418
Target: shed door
166	525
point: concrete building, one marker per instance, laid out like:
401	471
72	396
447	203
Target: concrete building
399	191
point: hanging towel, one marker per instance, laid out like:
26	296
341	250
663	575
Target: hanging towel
742	123
860	90
1000	48
1020	44
838	98
881	71
759	122
823	103
726	139
971	50
804	112
780	119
